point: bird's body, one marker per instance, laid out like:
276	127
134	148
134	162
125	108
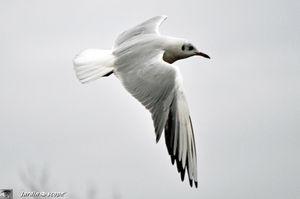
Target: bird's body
142	59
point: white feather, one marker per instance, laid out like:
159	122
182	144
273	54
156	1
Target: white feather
91	64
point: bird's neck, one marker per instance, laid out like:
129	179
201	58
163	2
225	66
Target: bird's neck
170	57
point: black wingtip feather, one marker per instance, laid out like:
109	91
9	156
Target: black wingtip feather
108	74
178	165
157	139
169	139
180	169
182	174
172	159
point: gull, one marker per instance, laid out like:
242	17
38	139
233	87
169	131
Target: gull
142	59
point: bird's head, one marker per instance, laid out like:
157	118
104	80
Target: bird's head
188	50
181	50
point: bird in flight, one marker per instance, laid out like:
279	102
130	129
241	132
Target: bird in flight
142	59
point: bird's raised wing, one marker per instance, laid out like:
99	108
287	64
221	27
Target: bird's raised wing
157	86
148	27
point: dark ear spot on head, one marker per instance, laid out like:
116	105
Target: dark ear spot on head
183	47
191	48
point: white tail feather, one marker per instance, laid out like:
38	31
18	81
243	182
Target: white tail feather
92	64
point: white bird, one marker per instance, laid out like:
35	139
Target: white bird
142	59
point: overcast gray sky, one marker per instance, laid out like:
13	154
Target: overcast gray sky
244	102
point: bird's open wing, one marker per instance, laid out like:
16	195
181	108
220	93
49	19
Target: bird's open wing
148	27
156	85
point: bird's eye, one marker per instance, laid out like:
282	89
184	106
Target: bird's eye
183	47
191	48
